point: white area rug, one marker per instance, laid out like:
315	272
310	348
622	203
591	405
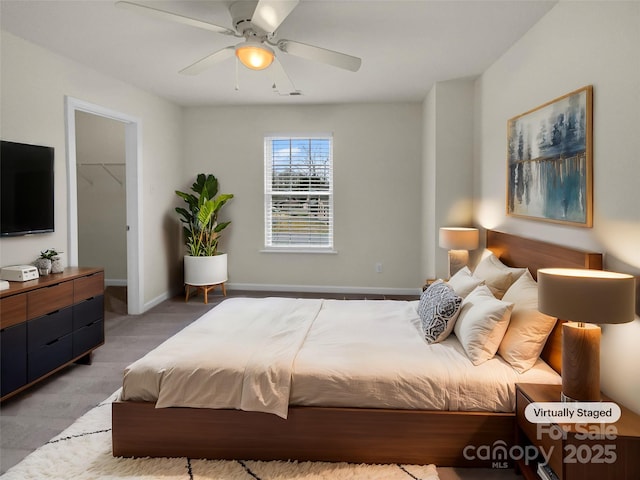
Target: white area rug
83	451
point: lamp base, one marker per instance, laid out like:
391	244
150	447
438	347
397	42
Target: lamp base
580	362
457	260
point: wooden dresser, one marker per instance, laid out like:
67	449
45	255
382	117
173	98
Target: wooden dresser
48	323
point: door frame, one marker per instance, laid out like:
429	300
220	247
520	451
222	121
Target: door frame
133	189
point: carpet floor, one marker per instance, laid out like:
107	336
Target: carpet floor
83	452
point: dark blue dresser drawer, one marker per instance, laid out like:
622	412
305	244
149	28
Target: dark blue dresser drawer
88	311
88	337
48	357
13	358
45	329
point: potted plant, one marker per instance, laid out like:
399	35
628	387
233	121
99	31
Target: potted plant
47	260
203	264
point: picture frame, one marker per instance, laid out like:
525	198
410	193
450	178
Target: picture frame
550	161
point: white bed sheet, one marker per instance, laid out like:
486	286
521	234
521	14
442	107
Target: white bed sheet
264	354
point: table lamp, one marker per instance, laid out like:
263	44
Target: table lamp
584	297
459	240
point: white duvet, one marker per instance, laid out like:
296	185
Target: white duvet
266	354
238	355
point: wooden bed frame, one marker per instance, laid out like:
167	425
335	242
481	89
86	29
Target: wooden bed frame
341	434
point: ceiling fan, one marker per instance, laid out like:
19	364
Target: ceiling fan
257	23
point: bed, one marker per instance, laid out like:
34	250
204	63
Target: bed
330	424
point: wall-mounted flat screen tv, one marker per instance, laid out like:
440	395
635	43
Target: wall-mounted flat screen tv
26	194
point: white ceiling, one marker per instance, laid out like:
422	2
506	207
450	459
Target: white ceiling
405	46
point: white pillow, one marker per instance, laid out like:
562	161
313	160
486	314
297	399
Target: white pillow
497	275
486	253
528	329
463	281
481	324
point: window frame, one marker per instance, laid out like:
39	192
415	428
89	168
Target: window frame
270	193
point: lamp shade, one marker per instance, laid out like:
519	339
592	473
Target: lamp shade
589	296
459	238
254	55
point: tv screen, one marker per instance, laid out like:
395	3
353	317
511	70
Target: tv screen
26	195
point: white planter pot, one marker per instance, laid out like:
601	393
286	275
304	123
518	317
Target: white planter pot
43	265
205	270
56	266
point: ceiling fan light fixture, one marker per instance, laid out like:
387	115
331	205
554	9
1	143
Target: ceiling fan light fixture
254	55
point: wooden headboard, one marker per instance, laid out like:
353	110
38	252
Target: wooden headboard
516	251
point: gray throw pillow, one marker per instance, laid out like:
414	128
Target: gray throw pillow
438	310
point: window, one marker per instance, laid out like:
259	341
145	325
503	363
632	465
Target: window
298	192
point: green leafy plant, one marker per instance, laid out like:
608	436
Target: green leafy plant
200	218
50	254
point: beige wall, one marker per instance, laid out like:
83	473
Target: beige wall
377	165
429	187
447	167
34	83
576	44
102	206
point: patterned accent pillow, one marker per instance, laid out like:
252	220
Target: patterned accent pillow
438	310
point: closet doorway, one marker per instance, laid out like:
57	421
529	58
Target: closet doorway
102	202
102	164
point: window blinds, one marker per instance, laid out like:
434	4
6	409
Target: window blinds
299	192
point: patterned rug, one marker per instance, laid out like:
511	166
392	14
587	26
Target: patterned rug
83	452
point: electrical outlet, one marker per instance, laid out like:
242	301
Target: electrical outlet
378	267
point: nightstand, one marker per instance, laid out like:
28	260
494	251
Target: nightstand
585	451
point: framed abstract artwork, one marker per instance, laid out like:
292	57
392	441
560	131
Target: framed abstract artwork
549	161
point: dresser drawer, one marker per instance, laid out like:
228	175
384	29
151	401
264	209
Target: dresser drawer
49	299
13	310
46	329
88	311
48	357
87	287
13	358
88	337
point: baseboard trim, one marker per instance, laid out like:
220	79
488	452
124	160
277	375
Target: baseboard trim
115	282
323	289
262	287
156	301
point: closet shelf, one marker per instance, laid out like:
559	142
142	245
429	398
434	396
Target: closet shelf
105	167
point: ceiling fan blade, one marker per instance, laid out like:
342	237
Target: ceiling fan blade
280	79
206	62
337	59
269	14
174	17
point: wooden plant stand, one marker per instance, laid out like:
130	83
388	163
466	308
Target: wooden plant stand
204	288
